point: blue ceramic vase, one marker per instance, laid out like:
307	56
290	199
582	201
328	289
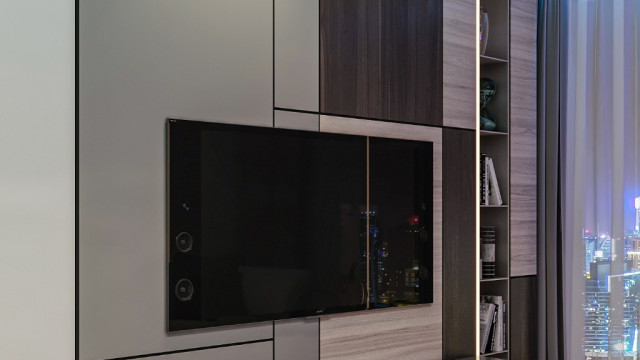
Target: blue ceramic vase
487	91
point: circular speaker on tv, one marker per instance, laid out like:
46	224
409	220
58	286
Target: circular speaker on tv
184	290
184	242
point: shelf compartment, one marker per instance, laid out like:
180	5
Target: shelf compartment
498	42
497	148
500	220
499	104
500	288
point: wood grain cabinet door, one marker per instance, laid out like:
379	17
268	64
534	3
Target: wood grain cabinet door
523	138
382	59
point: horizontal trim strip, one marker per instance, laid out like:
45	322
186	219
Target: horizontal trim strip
297	111
375	119
191	350
397	122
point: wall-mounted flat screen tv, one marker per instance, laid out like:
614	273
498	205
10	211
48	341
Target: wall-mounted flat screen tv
267	223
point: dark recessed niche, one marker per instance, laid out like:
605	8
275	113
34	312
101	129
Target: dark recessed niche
278	224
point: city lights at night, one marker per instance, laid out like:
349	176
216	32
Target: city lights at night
609	331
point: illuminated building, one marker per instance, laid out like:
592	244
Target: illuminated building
597	322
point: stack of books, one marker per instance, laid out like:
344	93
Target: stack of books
489	189
493	328
488	251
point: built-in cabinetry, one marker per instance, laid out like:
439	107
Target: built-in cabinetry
306	64
409	332
510	61
459	64
296	339
459	190
296	72
382	60
523	137
494	144
141	62
459	250
523	294
523	180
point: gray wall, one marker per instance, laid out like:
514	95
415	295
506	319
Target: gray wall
142	62
37	179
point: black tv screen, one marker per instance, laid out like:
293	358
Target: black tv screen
267	224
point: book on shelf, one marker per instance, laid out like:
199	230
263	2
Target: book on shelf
488	251
494	188
493	311
489	188
492	333
483	180
487	310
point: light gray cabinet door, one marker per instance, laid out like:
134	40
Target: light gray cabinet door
297	54
256	351
297	339
141	62
296	120
198	59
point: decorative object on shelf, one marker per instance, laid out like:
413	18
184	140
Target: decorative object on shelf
488	251
487	92
484	30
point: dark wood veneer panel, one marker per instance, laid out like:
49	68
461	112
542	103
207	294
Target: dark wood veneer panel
382	59
459	248
523	318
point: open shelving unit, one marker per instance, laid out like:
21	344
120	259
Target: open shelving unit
494	64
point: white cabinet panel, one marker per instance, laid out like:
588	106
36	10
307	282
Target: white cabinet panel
296	120
141	62
297	54
297	339
201	59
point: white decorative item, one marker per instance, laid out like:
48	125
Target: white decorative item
484	30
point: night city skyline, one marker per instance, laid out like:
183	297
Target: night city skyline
606	330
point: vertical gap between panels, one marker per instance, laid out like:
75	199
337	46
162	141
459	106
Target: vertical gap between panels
367	226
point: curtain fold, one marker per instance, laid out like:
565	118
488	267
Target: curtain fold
550	299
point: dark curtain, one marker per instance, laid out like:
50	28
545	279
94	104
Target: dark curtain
551	107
